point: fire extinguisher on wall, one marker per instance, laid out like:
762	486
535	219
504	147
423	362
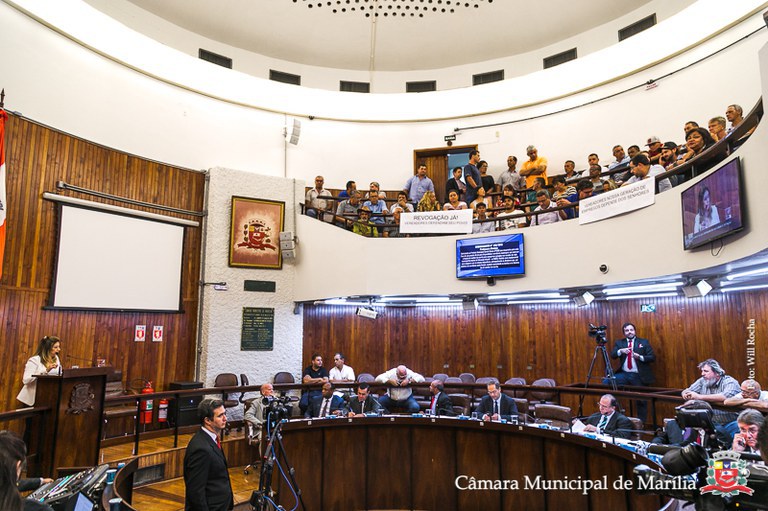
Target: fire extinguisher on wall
146	405
162	411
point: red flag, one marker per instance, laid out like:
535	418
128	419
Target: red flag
3	206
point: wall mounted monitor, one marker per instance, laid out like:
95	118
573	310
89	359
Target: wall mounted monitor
490	257
713	207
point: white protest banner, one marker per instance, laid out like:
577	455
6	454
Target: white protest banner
621	200
437	222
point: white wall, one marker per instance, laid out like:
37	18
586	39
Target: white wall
222	310
381	82
58	82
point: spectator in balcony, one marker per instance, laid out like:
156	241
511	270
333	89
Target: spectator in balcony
348	210
751	396
632	151
717	128
455	183
564	192
584	189
480	216
507	191
706	215
428	203
538	184
599	184
621	158
535	166
351	186
642	169
374	188
546	216
402	203
654	149
376	205
315	206
735	115
418	185
668	155
488	183
592	159
363	225
570	170
472	178
697	140
690	125
511	217
454	202
394	231
511	176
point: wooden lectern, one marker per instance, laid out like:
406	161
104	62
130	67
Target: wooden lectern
72	429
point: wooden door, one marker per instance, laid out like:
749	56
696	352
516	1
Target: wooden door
436	160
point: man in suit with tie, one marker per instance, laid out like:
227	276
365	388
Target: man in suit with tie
363	403
326	404
608	421
635	355
440	404
496	406
205	467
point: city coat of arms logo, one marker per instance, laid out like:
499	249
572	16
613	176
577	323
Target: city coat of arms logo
727	475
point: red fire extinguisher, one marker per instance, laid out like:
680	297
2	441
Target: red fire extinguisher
147	404
162	410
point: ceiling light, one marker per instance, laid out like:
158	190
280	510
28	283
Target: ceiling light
630	297
743	288
515	302
525	295
757	271
415	299
663	286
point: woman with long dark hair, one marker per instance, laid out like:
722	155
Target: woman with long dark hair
13	455
45	361
706	215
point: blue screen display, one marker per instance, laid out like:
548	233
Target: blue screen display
493	256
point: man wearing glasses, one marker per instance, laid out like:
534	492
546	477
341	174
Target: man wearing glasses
751	396
608	421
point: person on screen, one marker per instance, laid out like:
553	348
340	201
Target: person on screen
45	361
13	455
706	215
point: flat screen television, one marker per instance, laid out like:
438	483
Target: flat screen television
713	207
490	257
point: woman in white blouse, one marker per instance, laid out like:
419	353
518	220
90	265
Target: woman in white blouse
45	361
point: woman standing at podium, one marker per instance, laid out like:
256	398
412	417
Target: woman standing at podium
45	361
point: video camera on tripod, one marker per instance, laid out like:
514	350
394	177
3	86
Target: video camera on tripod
598	332
276	408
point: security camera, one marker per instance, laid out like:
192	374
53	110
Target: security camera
311	117
603	268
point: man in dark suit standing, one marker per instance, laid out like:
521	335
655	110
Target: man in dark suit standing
205	467
496	406
363	403
608	421
326	404
440	404
635	355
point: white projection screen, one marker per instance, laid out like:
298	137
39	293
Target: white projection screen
111	261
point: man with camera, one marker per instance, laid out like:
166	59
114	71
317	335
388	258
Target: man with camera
636	355
400	393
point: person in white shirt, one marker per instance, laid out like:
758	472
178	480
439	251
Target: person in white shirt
400	393
45	361
341	373
751	396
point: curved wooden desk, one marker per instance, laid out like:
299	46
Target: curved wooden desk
413	463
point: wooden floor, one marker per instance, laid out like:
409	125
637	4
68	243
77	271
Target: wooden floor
169	495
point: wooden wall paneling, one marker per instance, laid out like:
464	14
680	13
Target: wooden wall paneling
389	475
305	453
433	485
38	157
570	463
545	341
478	455
522	456
344	455
601	465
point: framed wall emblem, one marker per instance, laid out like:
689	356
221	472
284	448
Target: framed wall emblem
254	240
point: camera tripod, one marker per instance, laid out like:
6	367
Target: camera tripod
609	375
262	498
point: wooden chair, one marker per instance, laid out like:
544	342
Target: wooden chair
440	376
461	403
